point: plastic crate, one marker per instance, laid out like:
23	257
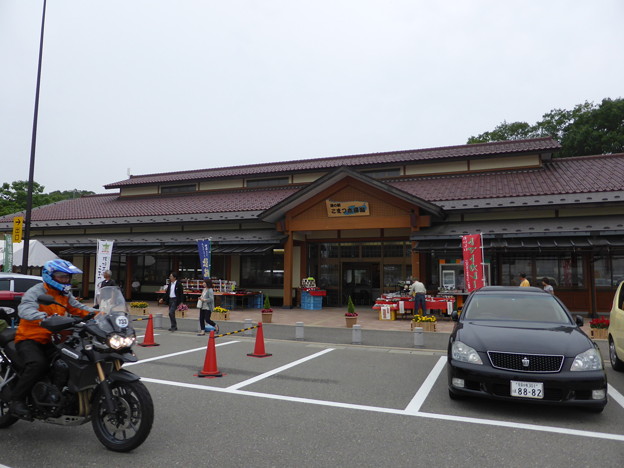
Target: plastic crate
256	301
311	302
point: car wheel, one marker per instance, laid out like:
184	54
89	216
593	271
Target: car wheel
455	396
616	363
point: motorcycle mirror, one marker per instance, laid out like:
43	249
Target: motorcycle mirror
46	299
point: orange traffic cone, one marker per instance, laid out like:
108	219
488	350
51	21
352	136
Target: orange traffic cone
148	339
259	349
210	369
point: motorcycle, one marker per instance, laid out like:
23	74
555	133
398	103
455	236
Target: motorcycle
86	381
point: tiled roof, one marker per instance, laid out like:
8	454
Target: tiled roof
113	206
562	176
476	150
585	174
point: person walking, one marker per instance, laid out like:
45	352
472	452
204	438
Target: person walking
207	306
174	296
547	286
419	292
524	282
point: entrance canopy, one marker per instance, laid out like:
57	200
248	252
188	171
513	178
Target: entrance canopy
38	253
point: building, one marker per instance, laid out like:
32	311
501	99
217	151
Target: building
360	224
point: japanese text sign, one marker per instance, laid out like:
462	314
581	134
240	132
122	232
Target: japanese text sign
347	208
473	262
204	247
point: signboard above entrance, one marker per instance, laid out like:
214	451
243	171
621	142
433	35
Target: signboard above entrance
347	208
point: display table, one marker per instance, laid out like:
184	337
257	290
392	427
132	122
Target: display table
228	300
392	307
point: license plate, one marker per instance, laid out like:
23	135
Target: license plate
527	389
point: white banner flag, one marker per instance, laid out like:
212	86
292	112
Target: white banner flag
102	263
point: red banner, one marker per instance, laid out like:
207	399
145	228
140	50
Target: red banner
473	262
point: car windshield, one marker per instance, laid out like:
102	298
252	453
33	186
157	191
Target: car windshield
525	308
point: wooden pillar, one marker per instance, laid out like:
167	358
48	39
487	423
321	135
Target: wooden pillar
416	263
86	267
288	270
130	261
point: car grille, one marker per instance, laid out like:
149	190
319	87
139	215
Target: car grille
536	362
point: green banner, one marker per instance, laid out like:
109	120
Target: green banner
8	253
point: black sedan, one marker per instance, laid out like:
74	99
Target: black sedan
521	344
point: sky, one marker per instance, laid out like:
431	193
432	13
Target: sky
149	86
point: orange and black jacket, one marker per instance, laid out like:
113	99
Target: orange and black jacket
31	313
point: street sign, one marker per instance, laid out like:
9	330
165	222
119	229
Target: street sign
18	223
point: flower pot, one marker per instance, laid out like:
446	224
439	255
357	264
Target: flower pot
351	321
426	326
220	316
599	333
266	318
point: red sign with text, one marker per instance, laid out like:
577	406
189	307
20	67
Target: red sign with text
473	262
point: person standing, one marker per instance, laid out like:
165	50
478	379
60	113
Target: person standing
207	306
419	292
108	281
524	282
174	296
547	286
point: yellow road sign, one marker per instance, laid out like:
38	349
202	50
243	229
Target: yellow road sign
18	223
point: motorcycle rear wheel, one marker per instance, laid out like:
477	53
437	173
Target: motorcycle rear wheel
130	425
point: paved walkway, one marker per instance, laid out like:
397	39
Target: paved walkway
332	317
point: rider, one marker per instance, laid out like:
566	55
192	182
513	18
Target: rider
33	342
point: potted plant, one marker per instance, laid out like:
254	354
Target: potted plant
426	322
267	312
220	313
351	315
182	308
140	305
599	328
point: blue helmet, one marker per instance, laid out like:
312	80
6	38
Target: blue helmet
56	266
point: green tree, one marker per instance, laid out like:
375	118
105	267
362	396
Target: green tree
14	196
586	129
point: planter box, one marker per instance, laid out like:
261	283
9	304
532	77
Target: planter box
267	318
426	326
136	310
351	321
220	316
599	333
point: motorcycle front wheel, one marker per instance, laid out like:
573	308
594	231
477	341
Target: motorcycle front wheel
6	418
130	424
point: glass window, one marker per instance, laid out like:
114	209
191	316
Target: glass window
23	284
546	268
5	284
350	250
391	276
267	182
511	269
178	188
394	249
617	264
371	250
262	271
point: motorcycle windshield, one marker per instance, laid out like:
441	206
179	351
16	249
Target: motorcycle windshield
113	314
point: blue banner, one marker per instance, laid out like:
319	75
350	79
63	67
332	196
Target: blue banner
204	257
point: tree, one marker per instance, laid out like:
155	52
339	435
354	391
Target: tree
586	129
14	196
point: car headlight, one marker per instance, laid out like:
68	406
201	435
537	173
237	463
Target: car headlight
587	361
117	341
464	353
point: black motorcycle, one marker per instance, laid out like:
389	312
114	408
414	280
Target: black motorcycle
86	382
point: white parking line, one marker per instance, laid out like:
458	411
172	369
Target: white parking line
203	348
278	370
617	396
414	406
377	409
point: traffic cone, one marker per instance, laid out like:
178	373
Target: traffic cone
210	369
148	339
259	348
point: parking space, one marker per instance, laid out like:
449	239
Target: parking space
405	382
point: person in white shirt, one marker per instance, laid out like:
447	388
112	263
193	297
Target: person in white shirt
418	291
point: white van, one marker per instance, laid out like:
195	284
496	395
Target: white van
616	330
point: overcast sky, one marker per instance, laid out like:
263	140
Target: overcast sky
171	85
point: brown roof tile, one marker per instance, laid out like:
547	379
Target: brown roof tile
462	151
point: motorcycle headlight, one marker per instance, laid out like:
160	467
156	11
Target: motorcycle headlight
464	353
118	342
587	361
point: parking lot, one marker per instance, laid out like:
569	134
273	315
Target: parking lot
315	404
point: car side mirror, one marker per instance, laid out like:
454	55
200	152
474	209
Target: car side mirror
579	320
455	316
